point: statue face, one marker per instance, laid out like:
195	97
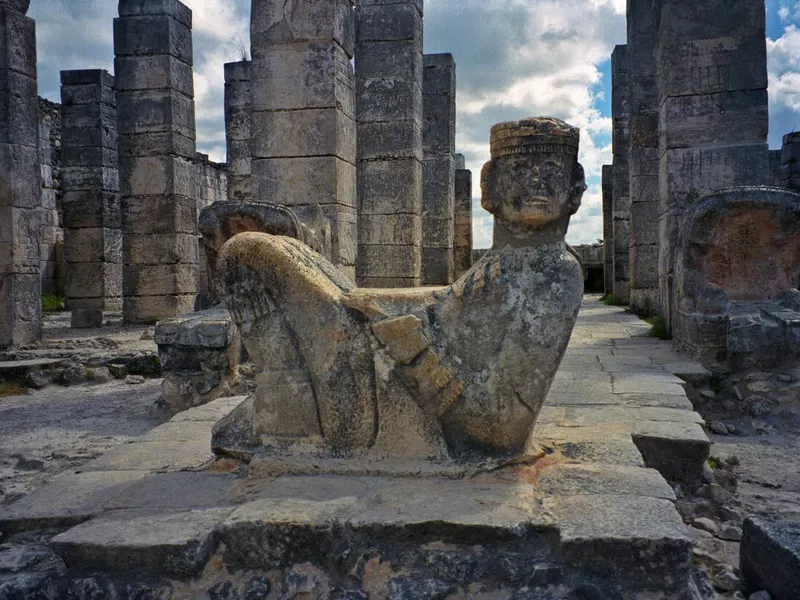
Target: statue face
532	189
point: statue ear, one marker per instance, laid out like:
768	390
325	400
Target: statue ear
578	188
488	201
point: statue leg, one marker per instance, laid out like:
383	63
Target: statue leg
274	277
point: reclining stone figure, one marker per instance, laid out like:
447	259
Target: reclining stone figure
458	372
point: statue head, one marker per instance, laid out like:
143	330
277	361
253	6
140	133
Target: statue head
534	177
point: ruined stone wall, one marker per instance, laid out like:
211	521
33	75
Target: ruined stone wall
211	181
711	70
51	244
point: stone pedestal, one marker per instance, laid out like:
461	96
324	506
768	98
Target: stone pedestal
237	130
462	239
608	230
389	114
20	184
91	207
643	163
620	182
438	173
303	140
156	124
712	79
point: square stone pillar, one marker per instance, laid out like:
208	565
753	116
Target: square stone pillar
711	67
303	137
20	183
462	239
643	164
439	168
389	114
90	203
608	230
790	162
156	125
620	181
237	130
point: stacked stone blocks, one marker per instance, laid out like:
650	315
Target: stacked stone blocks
156	124
608	230
303	138
790	162
389	86
643	158
462	239
439	166
713	110
620	180
91	204
51	240
20	184
237	130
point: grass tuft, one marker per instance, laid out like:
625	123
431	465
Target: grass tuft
10	389
52	303
659	327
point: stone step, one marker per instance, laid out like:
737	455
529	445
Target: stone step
18	370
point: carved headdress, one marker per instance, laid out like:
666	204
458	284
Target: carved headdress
540	135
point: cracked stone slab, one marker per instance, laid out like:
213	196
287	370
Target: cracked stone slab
603	479
213	411
153	456
164	542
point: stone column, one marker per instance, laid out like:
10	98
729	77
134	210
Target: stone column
462	239
790	161
643	164
303	137
389	114
156	124
439	166
608	230
20	184
90	204
620	181
711	68
237	130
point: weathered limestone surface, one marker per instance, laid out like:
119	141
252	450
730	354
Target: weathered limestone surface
643	158
211	181
608	230
91	204
401	374
462	222
790	161
303	128
237	130
438	172
156	126
51	241
20	184
770	556
712	80
620	181
389	114
737	273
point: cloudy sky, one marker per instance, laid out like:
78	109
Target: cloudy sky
515	58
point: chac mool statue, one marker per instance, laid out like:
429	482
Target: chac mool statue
458	372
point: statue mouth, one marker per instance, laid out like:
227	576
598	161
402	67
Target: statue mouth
538	202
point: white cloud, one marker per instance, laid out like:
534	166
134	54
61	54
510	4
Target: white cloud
783	62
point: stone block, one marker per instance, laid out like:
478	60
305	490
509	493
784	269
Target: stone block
157	176
159	249
95	136
643	130
437	266
88	156
388	22
622	234
392	229
389	99
304	181
77	96
272	24
151	309
171	8
437	233
149	35
86	318
714	119
20	309
389	140
439	123
327	79
383	187
309	132
90	178
770	556
140	73
439	77
19	174
644	265
20	235
19	117
88	81
384	261
157	144
93	245
18	40
644	223
87	208
155	111
154	280
438	185
93	280
401	60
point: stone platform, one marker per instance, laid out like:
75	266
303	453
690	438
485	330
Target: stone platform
162	517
